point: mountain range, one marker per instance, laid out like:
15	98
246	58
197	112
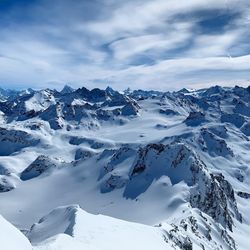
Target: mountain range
105	169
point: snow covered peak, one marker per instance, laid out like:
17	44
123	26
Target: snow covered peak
40	100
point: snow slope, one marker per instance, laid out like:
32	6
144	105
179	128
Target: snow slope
11	238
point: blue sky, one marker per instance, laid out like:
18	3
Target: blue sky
151	44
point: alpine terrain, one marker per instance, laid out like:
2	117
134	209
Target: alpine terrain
107	170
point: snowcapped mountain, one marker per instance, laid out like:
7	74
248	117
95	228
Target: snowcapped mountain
148	169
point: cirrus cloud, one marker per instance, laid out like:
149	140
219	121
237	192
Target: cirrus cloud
163	43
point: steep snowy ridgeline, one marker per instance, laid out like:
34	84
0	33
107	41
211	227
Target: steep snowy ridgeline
11	238
195	230
69	227
212	194
242	108
215	90
142	94
68	106
179	161
72	228
53	114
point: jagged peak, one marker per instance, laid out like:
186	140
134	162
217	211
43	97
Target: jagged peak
67	89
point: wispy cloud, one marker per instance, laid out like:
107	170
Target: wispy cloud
162	44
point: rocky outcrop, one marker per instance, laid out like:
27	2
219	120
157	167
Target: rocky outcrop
244	195
195	118
13	140
215	197
114	181
41	165
168	112
6	184
94	144
196	228
83	154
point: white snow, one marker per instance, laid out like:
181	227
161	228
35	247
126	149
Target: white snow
11	238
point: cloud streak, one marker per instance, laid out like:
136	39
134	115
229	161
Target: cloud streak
163	43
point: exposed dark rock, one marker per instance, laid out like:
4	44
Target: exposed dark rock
195	118
5	184
244	195
168	112
129	109
42	164
83	154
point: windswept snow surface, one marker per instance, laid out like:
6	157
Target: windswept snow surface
167	168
